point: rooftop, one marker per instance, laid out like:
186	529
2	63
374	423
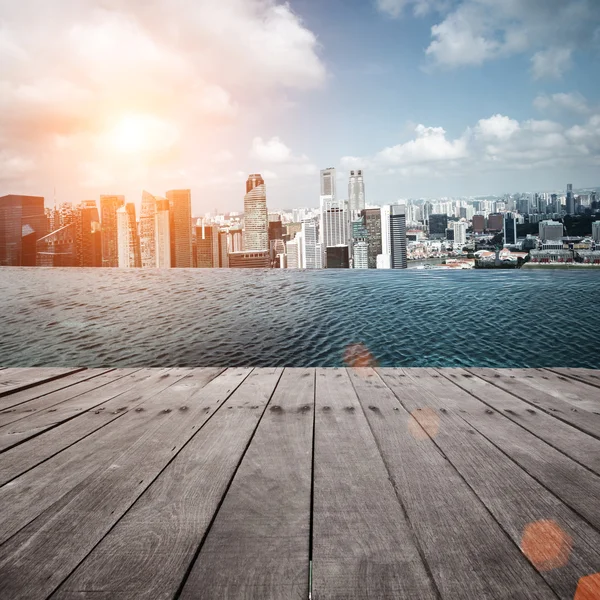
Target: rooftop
276	483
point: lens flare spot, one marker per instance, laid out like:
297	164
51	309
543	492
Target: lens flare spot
588	588
358	355
546	545
423	423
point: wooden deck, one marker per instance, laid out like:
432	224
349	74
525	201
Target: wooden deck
273	484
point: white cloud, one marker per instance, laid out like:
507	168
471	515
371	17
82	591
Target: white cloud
270	151
472	32
497	127
571	102
551	63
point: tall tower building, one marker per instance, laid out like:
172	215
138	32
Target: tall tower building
328	182
89	235
180	216
570	200
335	222
372	221
356	193
108	213
162	234
148	230
256	217
312	254
398	236
384	260
207	246
22	223
128	240
510	228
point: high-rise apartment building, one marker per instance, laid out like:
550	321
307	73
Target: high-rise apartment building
328	182
495	222
256	219
180	230
128	240
108	213
360	255
460	232
148	230
596	231
22	223
510	228
293	251
207	246
398	236
335	222
372	221
438	223
478	223
384	260
356	193
162	234
312	254
88	235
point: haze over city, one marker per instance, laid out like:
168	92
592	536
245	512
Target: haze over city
430	98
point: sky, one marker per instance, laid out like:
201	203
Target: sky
431	98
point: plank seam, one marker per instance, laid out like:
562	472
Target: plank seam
508	536
415	538
491	406
229	484
28	386
572	376
575	511
57	588
538	406
312	489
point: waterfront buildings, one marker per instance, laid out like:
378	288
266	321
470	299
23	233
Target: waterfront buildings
207	246
88	235
360	255
596	231
22	223
256	221
180	228
249	260
337	257
372	222
335	222
311	249
108	213
570	208
459	229
58	248
128	242
550	230
384	259
294	254
148	230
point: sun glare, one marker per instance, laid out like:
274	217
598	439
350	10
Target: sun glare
130	134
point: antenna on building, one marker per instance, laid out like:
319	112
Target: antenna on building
54	197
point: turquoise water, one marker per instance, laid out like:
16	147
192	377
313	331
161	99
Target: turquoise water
113	317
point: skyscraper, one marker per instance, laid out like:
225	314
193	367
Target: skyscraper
312	255
207	246
372	220
596	231
438	223
180	229
108	212
89	235
335	222
570	200
398	236
128	240
356	193
256	217
361	255
328	182
510	228
162	234
384	260
22	223
148	230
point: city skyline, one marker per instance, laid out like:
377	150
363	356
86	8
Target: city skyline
286	90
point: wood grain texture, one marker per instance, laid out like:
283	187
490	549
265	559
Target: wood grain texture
16	405
258	546
167	524
363	546
514	498
589	376
49	411
557	407
16	379
39	557
119	397
454	529
560	435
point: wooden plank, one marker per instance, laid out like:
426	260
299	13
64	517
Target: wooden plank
167	524
566	479
515	499
119	397
15	379
35	561
578	394
79	383
19	399
258	545
459	538
561	409
589	376
571	441
363	546
57	479
98	393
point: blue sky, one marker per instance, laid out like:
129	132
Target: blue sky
430	97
